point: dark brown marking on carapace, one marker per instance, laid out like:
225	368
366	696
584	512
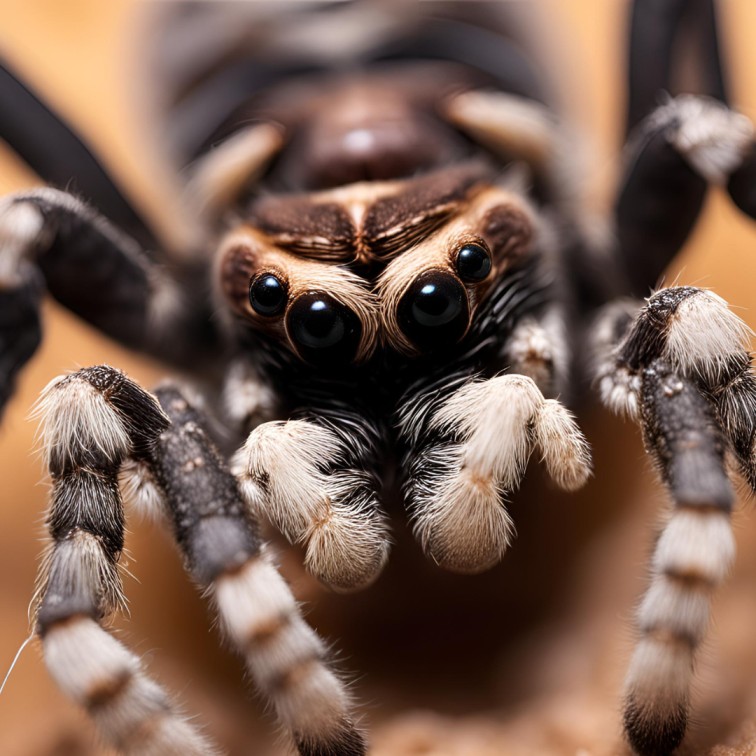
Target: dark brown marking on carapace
508	231
367	223
321	230
237	267
397	222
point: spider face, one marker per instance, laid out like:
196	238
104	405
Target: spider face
402	265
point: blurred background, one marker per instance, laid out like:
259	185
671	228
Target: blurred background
526	659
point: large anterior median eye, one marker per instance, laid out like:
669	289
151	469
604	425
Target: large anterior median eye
434	311
322	329
267	295
473	263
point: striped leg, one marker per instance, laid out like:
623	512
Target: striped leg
692	556
224	554
92	420
681	368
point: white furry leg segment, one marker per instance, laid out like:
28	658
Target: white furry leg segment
91	420
132	712
222	549
248	398
693	329
296	474
287	659
711	138
692	556
475	450
695	332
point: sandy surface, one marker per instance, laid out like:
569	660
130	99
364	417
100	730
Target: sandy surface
527	659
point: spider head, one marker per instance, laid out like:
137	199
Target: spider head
401	264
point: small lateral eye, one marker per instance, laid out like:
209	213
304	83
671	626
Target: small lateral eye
267	295
473	263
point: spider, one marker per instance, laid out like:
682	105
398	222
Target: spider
392	262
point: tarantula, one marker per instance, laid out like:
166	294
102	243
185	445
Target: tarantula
374	278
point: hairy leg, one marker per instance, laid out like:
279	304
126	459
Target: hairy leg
50	240
679	366
314	477
468	443
92	420
224	553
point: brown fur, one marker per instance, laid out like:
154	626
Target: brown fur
367	222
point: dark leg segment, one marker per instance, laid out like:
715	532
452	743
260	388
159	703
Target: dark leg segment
679	149
20	327
656	29
93	269
92	420
679	146
692	556
58	156
681	368
223	551
742	183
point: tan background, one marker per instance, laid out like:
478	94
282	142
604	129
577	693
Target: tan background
552	622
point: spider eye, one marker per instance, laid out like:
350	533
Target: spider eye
267	295
473	263
434	311
322	329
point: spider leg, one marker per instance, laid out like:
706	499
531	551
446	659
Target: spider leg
655	27
59	156
538	348
692	556
248	397
92	420
91	268
682	146
680	367
314	477
20	326
224	553
468	442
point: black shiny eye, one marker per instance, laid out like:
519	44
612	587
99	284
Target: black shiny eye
473	263
323	330
434	311
267	295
